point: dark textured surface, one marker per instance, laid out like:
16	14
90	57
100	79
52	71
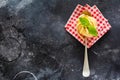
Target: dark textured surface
33	38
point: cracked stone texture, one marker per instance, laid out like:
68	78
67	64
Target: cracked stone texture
33	38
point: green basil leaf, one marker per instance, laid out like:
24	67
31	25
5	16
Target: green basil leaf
92	30
84	21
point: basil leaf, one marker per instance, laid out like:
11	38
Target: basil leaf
84	21
92	30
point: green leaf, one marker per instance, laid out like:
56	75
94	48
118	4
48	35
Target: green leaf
85	22
92	30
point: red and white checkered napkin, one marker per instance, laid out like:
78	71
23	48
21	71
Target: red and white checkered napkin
102	24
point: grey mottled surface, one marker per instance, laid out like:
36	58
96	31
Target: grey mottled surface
33	38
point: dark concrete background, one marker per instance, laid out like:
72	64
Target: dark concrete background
33	38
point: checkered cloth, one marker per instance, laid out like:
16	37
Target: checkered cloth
102	23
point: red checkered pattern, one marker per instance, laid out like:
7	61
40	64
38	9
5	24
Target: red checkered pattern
102	23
